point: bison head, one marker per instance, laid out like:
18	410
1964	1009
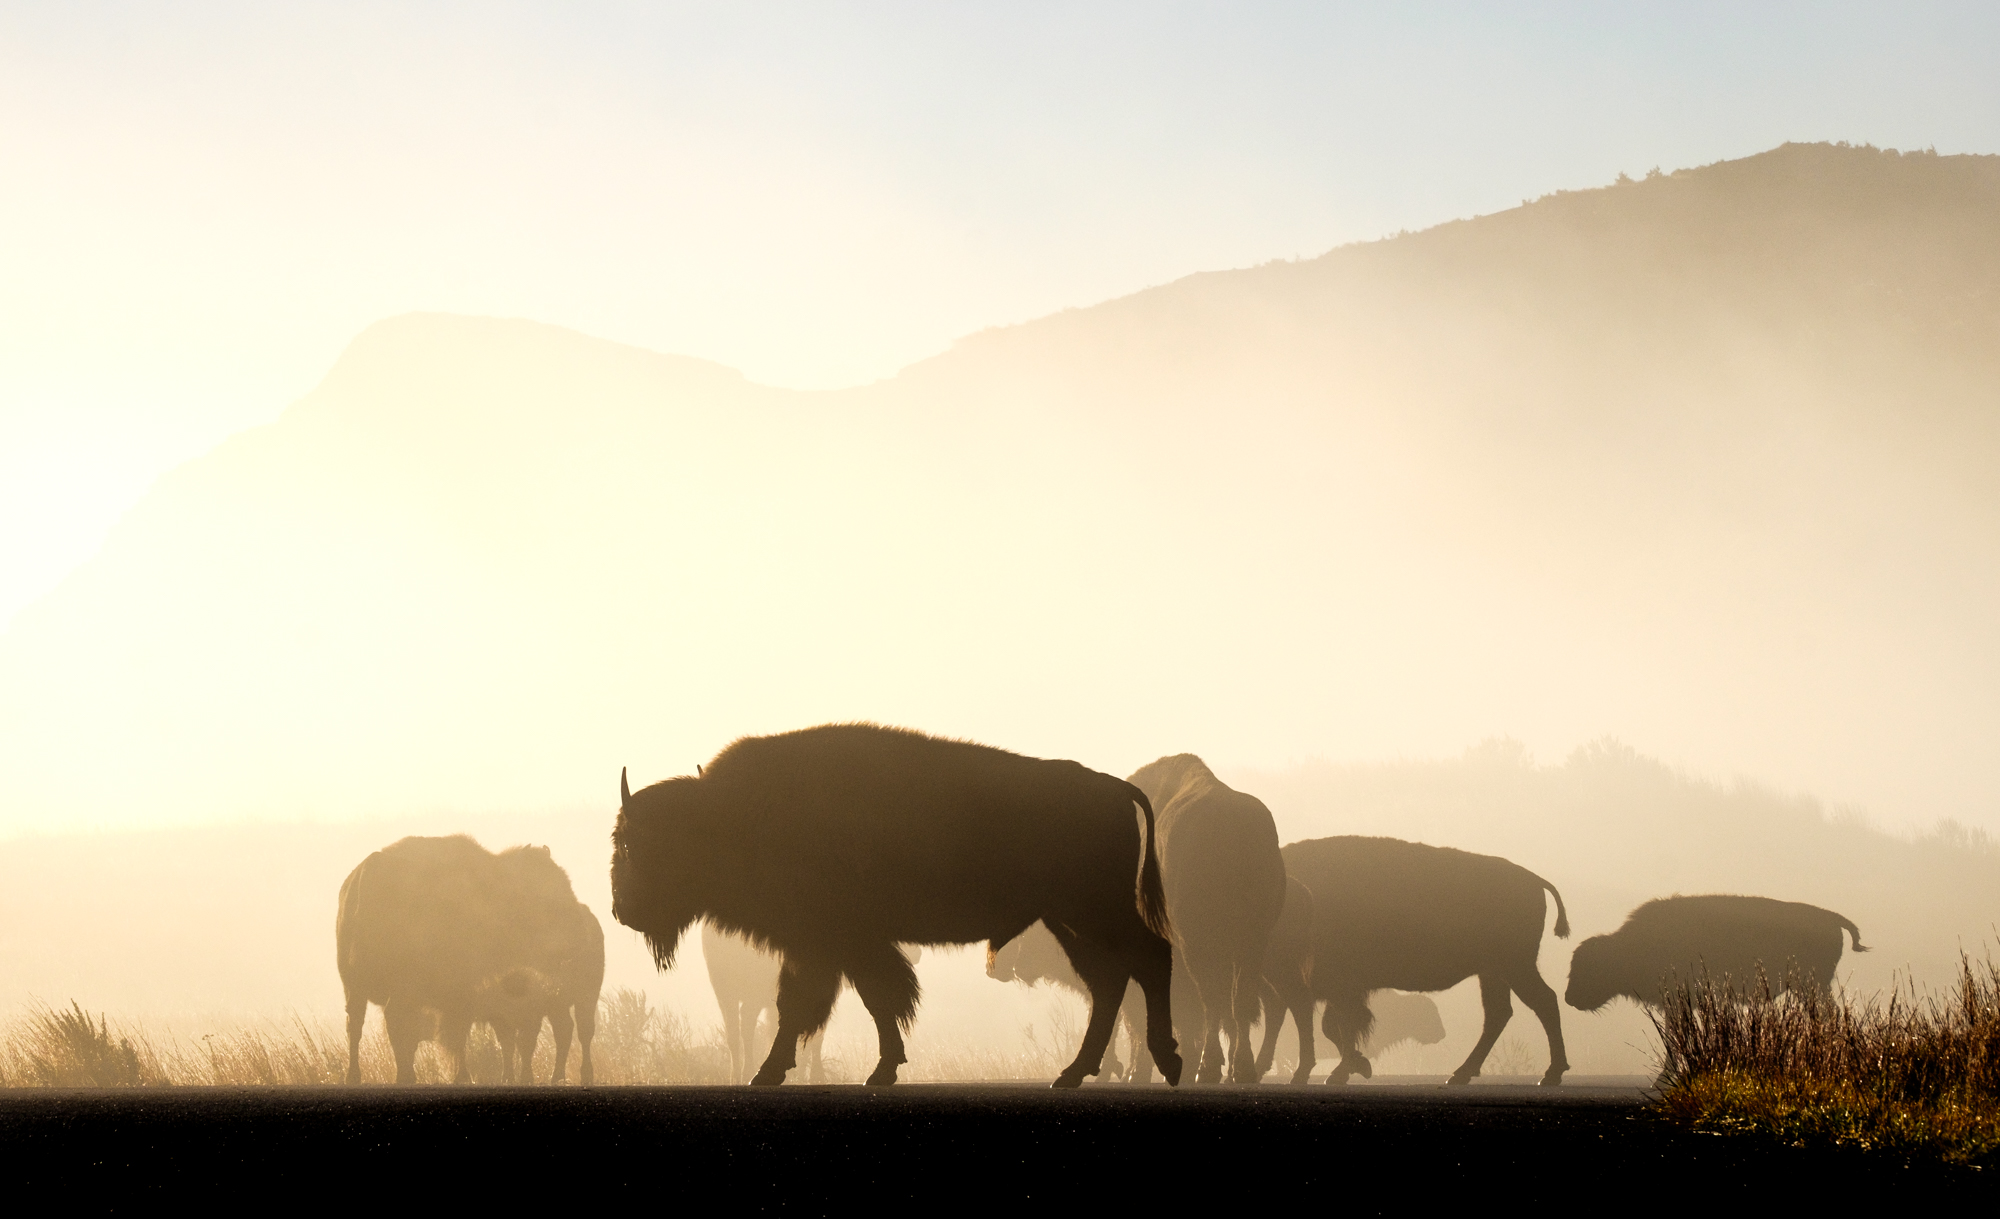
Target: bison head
1032	956
1592	975
660	860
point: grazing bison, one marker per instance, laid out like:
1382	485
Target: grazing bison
745	980
1730	938
1225	885
1389	913
832	845
426	925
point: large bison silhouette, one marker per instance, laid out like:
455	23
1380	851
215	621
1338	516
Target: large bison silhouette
1727	938
745	980
832	845
1403	915
1225	886
427	928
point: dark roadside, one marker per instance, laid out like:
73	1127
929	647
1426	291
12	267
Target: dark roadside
820	1149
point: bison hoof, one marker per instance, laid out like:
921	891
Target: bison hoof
883	1075
1302	1076
1553	1079
767	1078
1068	1079
1170	1067
1459	1080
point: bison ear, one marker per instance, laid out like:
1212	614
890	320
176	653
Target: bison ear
697	770
624	791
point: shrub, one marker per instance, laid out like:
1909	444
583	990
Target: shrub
1918	1077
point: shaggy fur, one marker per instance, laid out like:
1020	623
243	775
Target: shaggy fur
425	924
745	980
1225	886
832	845
1389	913
1729	938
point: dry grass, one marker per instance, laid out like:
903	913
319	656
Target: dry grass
1915	1077
636	1043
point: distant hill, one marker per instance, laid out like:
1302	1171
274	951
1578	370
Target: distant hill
1703	460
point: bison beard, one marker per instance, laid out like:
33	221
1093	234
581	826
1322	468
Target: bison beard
831	845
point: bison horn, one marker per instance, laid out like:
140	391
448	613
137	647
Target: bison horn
624	790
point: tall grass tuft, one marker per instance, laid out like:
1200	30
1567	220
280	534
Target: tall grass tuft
65	1048
1917	1077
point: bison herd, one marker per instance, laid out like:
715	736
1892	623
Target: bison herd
827	856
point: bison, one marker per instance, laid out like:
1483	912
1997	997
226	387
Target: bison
1225	885
516	1003
831	845
425	925
1389	913
745	981
1727	937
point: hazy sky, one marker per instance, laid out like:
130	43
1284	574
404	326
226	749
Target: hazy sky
201	203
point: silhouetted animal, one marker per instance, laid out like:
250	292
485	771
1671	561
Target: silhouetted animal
834	844
1389	913
1726	937
425	922
745	980
1225	886
1401	1017
516	1003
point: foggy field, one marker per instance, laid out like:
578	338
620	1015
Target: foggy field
822	1147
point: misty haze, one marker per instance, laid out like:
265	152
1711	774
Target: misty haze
1645	537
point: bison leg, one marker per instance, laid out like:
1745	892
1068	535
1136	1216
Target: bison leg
806	991
586	1031
1346	1023
1212	993
1499	1010
1154	971
406	1028
357	1020
1541	1000
561	1028
1301	1005
888	989
531	1038
1133	1013
1272	1015
815	1055
453	1029
1106	979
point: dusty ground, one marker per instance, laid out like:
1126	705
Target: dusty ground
820	1150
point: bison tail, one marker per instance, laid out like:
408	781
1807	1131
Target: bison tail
1152	893
1854	935
1562	915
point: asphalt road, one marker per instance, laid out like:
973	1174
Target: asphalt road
910	1148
